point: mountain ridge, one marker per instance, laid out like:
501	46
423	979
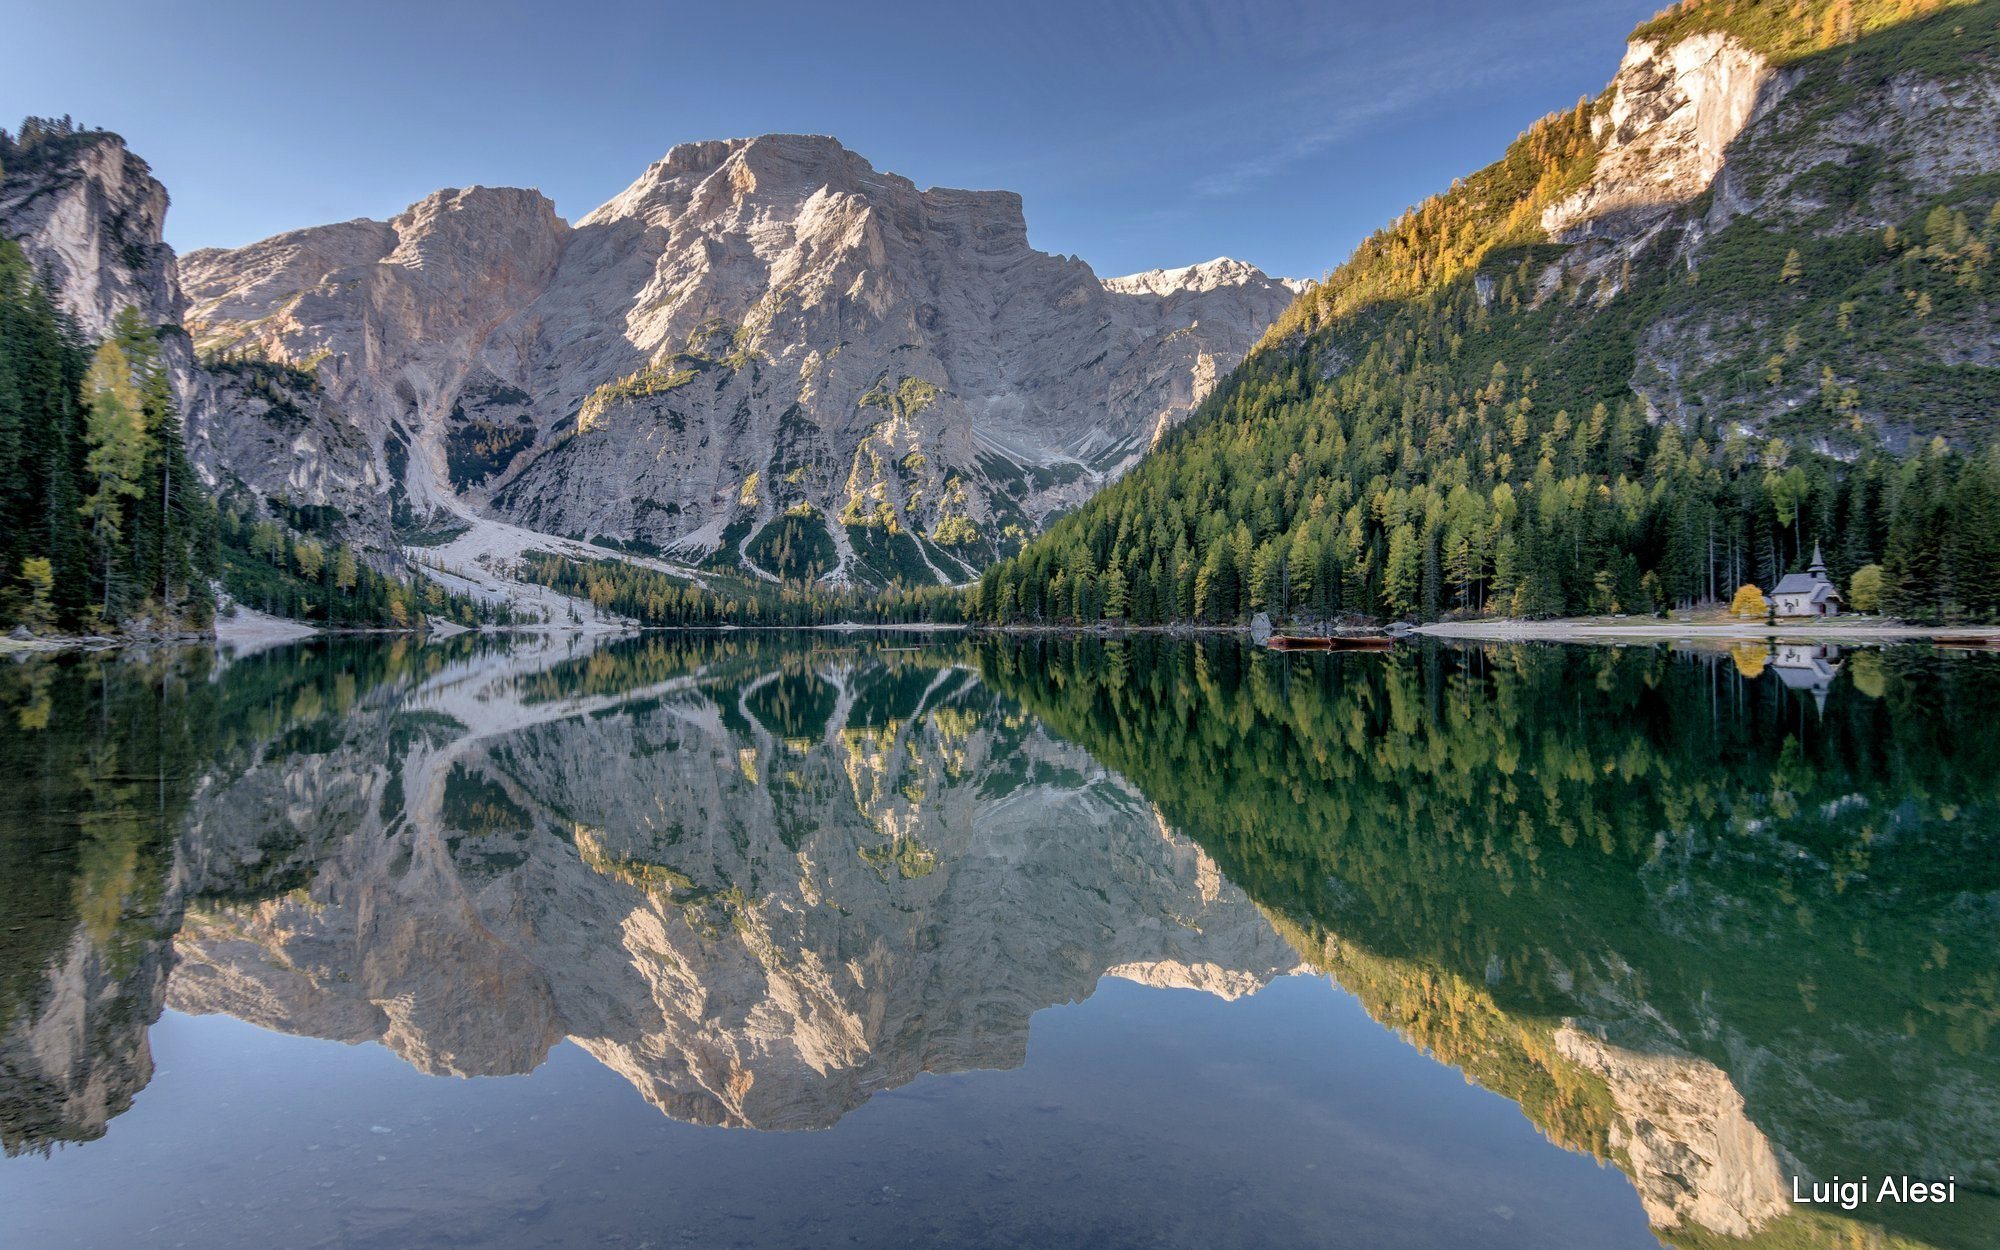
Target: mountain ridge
922	370
763	358
1672	338
1767	299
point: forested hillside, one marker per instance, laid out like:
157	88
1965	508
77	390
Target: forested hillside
105	527
1506	404
104	522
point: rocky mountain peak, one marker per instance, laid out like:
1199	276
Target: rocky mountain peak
90	212
699	157
1671	113
754	330
463	213
987	221
736	179
497	244
722	172
1209	275
227	286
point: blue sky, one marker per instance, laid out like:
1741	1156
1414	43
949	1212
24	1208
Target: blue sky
1139	134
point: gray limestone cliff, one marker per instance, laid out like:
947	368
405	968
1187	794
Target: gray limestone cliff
1692	1152
1716	164
1663	134
754	329
89	215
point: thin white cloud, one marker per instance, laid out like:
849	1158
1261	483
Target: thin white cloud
1335	122
1345	100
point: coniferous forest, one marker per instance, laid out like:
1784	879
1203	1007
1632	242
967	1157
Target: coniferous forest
1287	500
1449	423
105	527
1478	414
106	524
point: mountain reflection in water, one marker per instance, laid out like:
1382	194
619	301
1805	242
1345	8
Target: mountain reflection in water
1718	919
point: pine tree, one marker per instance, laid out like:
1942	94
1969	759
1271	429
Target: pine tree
1915	584
344	570
41	437
1402	574
1972	546
116	434
172	532
1116	595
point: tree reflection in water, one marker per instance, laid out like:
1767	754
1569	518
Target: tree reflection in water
1716	918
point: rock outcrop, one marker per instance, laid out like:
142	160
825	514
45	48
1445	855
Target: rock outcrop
89	214
1828	155
1710	152
753	329
1672	114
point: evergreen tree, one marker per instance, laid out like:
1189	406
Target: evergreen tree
1972	544
115	432
41	439
1916	581
96	494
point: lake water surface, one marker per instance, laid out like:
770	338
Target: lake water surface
800	940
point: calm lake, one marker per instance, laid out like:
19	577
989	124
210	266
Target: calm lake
802	940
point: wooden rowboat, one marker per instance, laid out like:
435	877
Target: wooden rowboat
1352	642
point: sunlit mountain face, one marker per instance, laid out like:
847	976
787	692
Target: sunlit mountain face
1718	920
